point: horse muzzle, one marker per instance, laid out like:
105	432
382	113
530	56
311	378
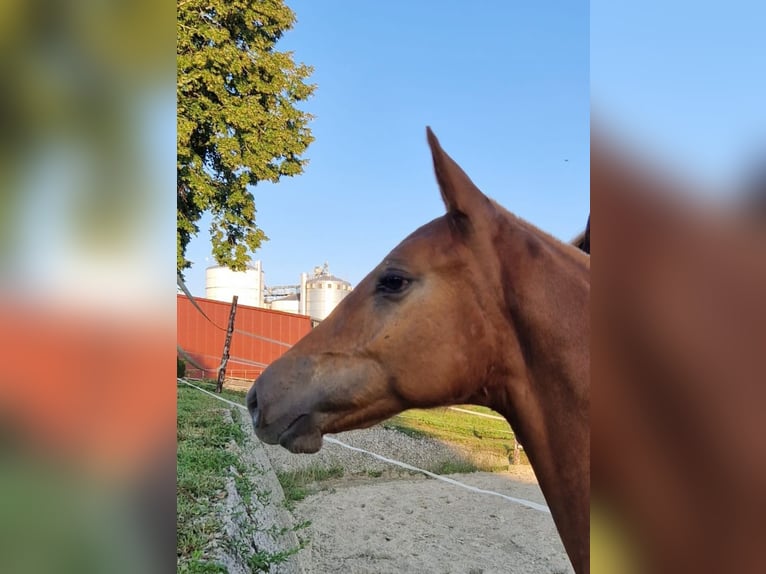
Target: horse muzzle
296	431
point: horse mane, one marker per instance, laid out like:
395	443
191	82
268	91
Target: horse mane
581	242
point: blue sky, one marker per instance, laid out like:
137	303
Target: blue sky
685	80
504	85
507	88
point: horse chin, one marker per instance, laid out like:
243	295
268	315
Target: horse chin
302	436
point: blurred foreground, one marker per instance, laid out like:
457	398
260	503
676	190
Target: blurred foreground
87	257
678	367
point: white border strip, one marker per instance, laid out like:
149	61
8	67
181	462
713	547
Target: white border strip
331	440
486	416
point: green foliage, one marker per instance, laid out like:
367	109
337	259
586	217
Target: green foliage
238	120
265	561
180	368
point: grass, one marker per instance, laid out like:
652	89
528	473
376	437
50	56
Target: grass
454	467
204	462
298	484
483	443
490	438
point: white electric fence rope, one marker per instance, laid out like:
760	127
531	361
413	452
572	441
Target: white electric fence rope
528	503
486	416
220	398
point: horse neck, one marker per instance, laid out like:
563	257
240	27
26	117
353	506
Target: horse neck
546	287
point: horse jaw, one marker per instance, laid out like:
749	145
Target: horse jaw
302	436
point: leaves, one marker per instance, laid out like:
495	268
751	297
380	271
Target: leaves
238	118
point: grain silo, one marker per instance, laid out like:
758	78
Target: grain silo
221	284
289	304
323	293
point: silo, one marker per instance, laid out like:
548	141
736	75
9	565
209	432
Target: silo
289	304
221	284
302	294
323	293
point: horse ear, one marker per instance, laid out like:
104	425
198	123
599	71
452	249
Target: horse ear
460	194
582	241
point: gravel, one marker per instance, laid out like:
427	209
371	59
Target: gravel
421	452
387	523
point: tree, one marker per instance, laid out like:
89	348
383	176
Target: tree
238	123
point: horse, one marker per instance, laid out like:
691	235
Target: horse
478	306
678	368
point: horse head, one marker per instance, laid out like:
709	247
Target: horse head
477	306
420	330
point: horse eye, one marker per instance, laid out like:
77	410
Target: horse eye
393	284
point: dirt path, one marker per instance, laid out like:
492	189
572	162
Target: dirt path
412	524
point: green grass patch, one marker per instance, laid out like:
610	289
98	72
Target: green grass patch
202	464
454	467
405	427
472	433
204	461
298	484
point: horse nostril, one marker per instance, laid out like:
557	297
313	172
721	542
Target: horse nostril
252	406
252	399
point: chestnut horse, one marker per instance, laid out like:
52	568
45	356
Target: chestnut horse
679	368
410	336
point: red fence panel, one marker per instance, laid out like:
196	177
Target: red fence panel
249	356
